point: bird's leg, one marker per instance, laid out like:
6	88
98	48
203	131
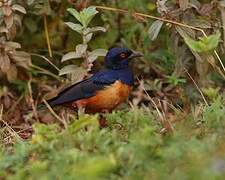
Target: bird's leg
102	120
80	112
80	106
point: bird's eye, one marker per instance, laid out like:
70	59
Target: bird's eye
123	55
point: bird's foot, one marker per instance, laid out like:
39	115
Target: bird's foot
103	123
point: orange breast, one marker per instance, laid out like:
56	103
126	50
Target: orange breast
106	99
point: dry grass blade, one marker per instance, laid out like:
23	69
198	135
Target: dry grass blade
196	85
47	36
53	113
46	59
32	101
10	129
44	71
160	114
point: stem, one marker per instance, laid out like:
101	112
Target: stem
198	88
47	36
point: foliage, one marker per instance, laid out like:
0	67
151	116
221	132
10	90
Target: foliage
84	18
133	150
167	131
10	57
205	44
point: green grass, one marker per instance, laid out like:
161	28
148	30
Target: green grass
130	148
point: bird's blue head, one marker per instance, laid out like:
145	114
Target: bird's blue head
118	58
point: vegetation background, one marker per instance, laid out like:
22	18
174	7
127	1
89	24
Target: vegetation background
173	125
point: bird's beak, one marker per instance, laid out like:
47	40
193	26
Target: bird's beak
135	54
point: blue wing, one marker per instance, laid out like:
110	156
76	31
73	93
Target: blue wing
84	89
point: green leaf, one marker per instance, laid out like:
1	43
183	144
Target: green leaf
99	52
155	29
87	37
75	13
87	14
211	41
19	8
76	27
81	49
205	44
97	28
70	55
68	70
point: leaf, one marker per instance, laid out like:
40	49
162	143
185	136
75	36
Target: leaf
204	44
3	29
201	23
19	8
75	13
68	69
29	2
99	52
195	4
185	32
155	29
7	11
8	21
5	63
97	28
81	49
22	59
87	14
12	45
76	27
91	58
78	75
12	73
70	55
222	3
183	4
87	37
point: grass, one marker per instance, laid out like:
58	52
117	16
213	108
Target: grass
131	147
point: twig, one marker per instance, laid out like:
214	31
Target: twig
20	131
15	104
11	130
53	113
47	36
164	20
196	85
153	102
32	101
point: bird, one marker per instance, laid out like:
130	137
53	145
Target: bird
105	90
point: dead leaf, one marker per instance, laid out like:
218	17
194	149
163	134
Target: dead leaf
12	73
206	9
7	10
183	4
22	59
5	63
8	21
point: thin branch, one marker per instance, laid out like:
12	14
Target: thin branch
161	19
53	113
32	101
198	88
